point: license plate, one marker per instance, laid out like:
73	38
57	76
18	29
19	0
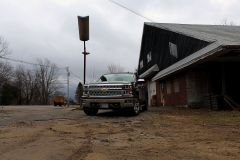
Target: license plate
104	105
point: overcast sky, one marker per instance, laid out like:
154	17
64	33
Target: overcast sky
48	28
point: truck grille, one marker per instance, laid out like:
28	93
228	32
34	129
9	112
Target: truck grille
107	90
107	93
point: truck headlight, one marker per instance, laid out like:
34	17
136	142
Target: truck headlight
128	89
85	91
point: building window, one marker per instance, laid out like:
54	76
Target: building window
141	64
149	56
173	50
176	86
169	87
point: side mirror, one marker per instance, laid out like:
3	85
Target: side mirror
140	81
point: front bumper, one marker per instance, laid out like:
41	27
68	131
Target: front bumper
109	103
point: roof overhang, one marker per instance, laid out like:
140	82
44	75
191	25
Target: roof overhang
190	60
150	71
233	47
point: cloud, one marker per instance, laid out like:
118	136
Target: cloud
48	28
224	3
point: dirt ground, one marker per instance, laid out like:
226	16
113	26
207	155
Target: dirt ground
54	133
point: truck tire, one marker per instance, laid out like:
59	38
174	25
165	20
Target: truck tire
145	107
136	109
90	111
54	103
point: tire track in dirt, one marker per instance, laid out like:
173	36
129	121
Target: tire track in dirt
83	150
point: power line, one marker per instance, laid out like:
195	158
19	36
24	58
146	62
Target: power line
75	79
134	12
29	63
71	86
60	83
35	64
75	75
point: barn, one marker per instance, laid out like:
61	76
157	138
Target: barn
191	65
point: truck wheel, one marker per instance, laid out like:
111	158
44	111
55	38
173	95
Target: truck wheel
55	104
90	111
145	107
136	109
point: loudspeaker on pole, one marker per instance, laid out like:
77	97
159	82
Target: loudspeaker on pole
83	25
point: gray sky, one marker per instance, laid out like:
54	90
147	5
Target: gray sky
48	28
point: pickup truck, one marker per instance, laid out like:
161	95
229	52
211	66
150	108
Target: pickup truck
116	91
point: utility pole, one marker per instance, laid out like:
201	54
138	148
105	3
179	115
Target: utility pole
83	26
68	75
85	54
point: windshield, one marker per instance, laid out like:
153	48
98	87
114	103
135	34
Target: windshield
117	77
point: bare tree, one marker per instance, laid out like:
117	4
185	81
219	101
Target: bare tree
30	86
113	68
5	72
5	68
226	22
3	47
26	83
36	86
19	79
46	77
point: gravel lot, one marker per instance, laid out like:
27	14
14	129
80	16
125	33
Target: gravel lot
55	133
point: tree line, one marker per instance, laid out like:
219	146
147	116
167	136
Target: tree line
35	85
24	86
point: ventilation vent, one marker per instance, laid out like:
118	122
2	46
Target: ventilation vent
173	49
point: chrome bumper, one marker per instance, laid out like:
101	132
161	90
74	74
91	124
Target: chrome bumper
111	103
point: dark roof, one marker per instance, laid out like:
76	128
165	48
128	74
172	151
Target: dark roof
220	37
227	35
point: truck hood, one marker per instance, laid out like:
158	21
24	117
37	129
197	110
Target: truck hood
110	83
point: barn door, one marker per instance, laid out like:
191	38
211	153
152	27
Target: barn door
151	91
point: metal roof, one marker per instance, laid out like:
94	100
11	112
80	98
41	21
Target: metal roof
221	36
226	35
